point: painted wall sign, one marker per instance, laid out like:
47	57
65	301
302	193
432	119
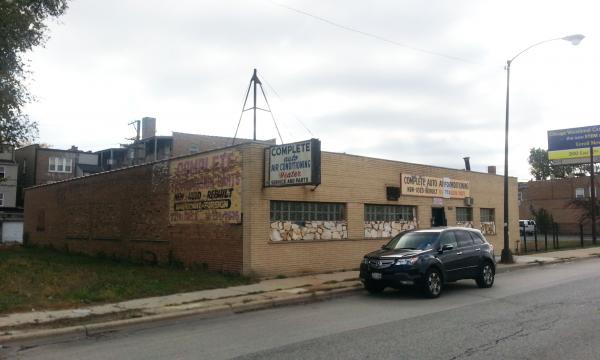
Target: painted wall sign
414	185
573	143
293	164
206	188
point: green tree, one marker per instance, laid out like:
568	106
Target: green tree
541	168
539	165
543	220
22	27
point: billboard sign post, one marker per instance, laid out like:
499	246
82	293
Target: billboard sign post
577	146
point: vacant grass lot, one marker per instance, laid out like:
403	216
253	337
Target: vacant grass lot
32	278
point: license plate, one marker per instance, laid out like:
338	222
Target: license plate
376	276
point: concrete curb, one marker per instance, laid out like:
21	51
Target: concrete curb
216	311
220	310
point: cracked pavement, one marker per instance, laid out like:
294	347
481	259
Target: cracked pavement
551	312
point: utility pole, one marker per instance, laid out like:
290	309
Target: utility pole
593	194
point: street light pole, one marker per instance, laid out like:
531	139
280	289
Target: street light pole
506	255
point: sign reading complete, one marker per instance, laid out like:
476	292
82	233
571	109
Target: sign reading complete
574	143
447	188
293	164
206	188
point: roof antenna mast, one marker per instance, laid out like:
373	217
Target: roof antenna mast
254	81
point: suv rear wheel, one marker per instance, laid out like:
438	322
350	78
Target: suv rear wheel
432	284
486	275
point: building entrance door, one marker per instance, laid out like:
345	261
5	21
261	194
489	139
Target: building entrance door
438	217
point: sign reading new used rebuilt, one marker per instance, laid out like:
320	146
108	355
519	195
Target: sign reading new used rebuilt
434	187
293	164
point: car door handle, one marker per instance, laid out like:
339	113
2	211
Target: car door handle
459	253
478	249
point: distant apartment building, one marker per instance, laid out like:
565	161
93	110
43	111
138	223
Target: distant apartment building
8	177
149	147
39	165
557	196
11	217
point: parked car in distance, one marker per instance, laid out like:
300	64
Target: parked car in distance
429	259
527	225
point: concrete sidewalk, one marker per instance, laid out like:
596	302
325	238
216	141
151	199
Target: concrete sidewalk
265	294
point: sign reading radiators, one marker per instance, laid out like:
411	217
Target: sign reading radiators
206	188
293	164
447	188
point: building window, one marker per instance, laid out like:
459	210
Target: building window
194	149
464	214
579	193
487	215
61	165
307	211
389	212
1	199
2	175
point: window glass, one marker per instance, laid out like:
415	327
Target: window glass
1	199
464	214
389	212
463	238
1	172
306	211
448	238
476	239
487	215
579	193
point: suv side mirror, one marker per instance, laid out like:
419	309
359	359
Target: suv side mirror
447	247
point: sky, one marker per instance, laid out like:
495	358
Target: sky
421	82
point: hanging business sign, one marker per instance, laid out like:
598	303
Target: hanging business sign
572	146
206	188
436	187
293	164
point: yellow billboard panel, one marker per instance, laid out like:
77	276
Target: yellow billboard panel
206	188
572	154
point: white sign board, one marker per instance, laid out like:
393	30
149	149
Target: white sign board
293	164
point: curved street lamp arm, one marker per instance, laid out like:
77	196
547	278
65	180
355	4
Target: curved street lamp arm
569	38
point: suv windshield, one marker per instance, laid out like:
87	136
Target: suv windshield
412	240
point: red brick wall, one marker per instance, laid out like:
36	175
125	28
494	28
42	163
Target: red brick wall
124	213
556	196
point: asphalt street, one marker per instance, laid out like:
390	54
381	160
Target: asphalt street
547	312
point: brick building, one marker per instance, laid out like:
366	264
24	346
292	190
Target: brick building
556	196
11	217
151	147
39	165
213	208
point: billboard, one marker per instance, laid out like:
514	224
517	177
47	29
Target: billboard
435	187
206	188
572	146
293	164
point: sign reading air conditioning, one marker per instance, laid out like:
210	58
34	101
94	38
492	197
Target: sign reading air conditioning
447	188
293	164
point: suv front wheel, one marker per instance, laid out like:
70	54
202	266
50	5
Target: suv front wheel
432	284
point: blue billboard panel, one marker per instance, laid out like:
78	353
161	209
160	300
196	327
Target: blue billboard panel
568	143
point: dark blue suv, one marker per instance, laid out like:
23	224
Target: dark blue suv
429	259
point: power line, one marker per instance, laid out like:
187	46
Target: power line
371	35
280	98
